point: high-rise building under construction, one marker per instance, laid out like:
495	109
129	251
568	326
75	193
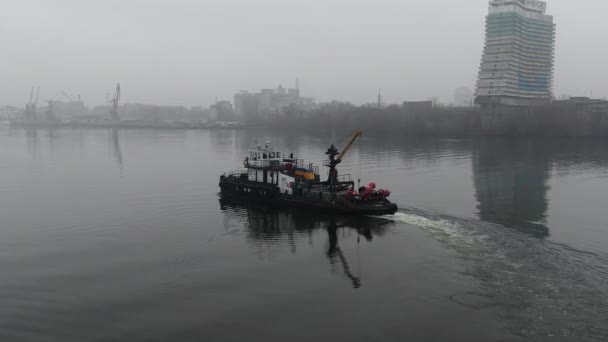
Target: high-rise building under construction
517	62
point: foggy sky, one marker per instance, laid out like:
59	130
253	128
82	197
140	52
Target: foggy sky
188	52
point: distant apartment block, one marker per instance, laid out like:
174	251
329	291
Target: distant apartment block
269	101
518	56
221	111
246	103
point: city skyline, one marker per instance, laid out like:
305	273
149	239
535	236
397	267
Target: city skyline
174	53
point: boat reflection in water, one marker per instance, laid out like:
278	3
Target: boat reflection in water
267	226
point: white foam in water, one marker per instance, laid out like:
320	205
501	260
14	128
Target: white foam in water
452	229
540	274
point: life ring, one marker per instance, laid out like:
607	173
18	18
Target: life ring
291	185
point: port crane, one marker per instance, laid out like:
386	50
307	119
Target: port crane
114	102
30	108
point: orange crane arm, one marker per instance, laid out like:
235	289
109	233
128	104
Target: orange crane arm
357	134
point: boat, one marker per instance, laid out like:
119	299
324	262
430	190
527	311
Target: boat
279	179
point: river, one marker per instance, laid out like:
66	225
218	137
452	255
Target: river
110	235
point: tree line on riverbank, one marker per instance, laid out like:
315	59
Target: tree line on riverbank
545	121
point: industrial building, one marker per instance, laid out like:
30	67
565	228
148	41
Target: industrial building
517	63
8	112
152	113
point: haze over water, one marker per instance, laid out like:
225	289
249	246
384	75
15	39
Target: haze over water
120	235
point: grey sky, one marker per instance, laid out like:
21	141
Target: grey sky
189	52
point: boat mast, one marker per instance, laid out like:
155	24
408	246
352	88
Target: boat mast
333	162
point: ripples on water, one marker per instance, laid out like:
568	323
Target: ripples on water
552	289
117	235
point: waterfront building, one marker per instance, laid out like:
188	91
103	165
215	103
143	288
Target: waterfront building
8	112
518	56
221	111
246	103
57	110
582	104
197	114
269	101
266	96
152	113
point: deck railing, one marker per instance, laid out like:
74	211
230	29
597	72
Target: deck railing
344	178
235	174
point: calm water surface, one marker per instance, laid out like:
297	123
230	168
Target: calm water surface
120	235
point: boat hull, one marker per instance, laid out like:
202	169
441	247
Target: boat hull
244	190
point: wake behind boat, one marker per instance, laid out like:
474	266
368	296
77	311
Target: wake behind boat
280	179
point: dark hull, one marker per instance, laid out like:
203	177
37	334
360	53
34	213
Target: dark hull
245	190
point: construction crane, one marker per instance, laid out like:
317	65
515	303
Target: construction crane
31	96
334	161
114	102
36	100
30	108
66	95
